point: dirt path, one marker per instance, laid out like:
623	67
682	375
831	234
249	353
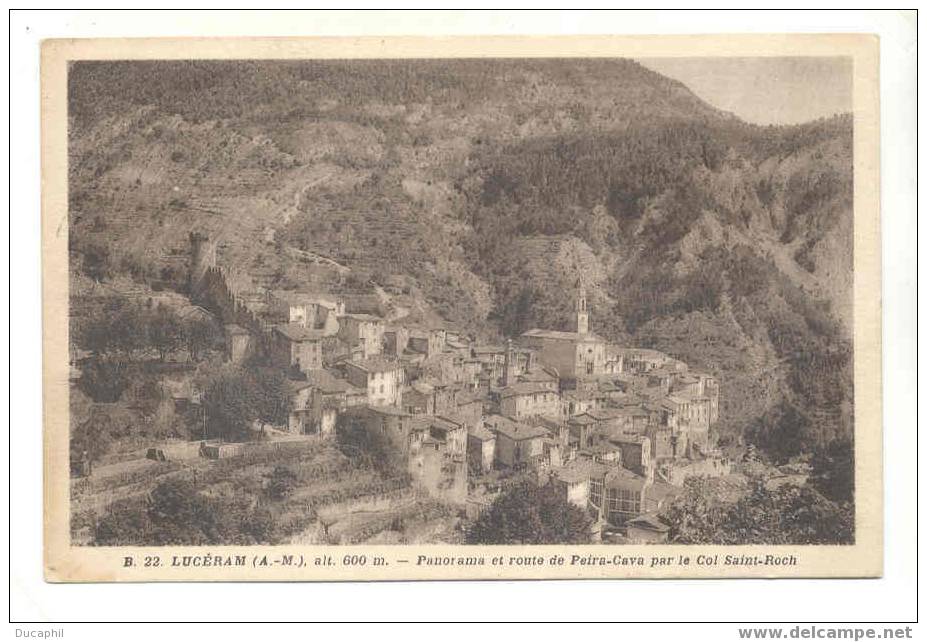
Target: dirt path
305	255
397	311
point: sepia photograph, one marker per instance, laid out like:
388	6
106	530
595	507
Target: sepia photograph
460	301
382	313
324	318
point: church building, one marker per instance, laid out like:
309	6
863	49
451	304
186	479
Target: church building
575	354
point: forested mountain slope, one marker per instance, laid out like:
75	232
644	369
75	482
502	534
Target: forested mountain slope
485	185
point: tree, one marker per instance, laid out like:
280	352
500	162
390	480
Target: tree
123	525
231	405
175	513
833	470
199	335
694	516
235	398
104	379
149	396
528	514
281	483
118	330
97	262
787	514
518	313
92	437
271	395
177	502
260	526
163	331
782	432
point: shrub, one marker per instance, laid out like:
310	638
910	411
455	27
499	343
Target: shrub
528	514
105	379
281	484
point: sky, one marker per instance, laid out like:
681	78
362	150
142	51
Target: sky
766	91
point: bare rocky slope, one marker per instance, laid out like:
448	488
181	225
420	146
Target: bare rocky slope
483	187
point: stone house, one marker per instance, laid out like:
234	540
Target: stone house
663	378
431	396
635	452
614	360
582	431
438	457
607	489
491	359
647	529
426	341
518	445
395	340
674	413
690	384
470	407
625	495
296	346
667	443
602	451
642	360
314	311
677	473
457	345
632	418
452	432
523	400
418	401
364	330
541	376
331	396
695	412
387	426
433	450
577	402
481	449
573	480
299	417
381	379
609	391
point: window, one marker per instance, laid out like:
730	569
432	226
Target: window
623	503
595	492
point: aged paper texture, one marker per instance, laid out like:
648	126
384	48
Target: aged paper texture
461	308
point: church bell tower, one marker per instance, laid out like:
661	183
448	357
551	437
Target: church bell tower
582	309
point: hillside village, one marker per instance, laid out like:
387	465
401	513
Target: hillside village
616	430
340	302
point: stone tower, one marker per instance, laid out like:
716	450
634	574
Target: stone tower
508	367
202	258
582	309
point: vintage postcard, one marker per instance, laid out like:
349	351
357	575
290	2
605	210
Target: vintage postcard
462	308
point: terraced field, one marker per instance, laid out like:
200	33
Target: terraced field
334	499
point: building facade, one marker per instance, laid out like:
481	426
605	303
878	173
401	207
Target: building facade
382	380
